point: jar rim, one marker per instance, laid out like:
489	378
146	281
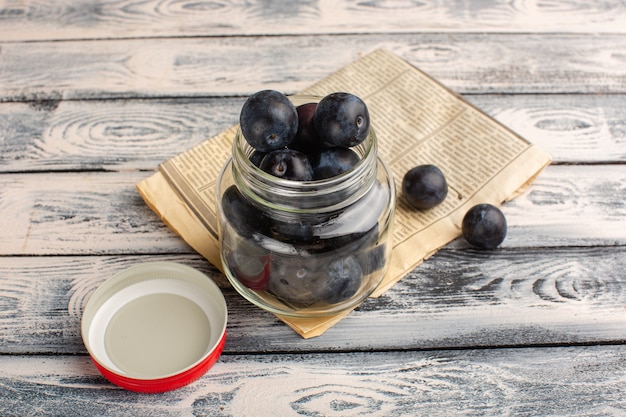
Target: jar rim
327	194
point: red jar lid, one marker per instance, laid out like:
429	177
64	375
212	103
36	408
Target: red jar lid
155	327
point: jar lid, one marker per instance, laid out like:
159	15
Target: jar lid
155	327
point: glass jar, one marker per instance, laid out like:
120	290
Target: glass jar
305	248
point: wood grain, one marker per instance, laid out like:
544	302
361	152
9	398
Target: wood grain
83	19
102	213
128	68
122	135
567	204
580	382
458	298
95	94
118	135
570	128
83	213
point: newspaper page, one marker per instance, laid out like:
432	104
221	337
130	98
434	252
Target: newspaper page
417	121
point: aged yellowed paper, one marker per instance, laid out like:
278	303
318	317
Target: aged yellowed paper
417	121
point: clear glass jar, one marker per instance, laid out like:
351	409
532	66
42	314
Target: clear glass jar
305	248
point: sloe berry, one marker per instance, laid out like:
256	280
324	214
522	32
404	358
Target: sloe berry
268	120
241	215
424	186
373	259
250	265
343	280
333	161
256	157
307	140
342	119
291	279
484	226
287	164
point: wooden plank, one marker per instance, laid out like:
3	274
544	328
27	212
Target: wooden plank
185	66
102	213
456	299
139	134
570	128
82	213
108	134
44	296
80	19
521	382
477	63
583	204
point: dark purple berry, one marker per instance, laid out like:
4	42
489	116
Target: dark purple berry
343	280
333	161
373	259
241	215
342	119
484	226
287	164
306	141
424	186
250	266
256	157
268	120
358	219
292	230
292	280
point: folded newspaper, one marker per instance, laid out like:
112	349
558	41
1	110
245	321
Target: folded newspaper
417	121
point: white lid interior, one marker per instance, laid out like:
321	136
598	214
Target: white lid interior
158	325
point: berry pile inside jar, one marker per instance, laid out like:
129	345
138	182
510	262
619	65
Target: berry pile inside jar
308	142
310	258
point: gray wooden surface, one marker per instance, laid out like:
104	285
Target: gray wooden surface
95	94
